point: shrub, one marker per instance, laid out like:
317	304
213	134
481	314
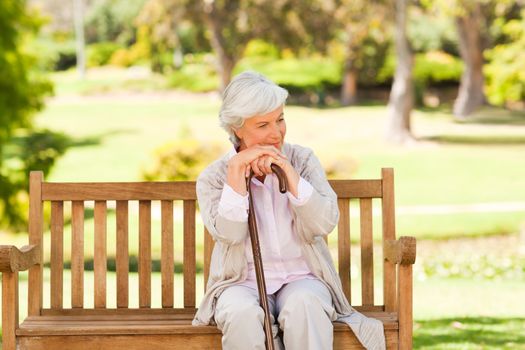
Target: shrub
505	71
261	48
99	54
197	74
135	54
181	160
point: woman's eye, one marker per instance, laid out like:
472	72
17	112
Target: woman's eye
262	125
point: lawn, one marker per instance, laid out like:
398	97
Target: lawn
459	180
115	136
449	313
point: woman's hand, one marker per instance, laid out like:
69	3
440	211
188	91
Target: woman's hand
239	166
264	163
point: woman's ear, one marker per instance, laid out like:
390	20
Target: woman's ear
238	132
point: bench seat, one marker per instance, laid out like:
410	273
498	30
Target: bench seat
160	331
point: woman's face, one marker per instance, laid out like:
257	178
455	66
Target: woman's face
267	129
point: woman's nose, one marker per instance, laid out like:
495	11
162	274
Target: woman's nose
276	131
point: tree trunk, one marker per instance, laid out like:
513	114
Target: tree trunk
225	60
349	88
225	68
470	95
402	94
78	8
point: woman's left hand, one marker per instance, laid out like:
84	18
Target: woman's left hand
263	166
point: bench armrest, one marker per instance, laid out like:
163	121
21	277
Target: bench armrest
13	259
401	251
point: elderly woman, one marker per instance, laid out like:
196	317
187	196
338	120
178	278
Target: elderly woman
303	288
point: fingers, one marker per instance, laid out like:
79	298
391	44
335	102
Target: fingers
255	167
263	165
269	151
259	158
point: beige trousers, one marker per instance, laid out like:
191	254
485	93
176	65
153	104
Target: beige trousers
303	309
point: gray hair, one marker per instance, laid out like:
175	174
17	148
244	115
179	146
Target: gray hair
248	94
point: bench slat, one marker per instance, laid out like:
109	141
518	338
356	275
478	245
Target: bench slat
343	245
57	254
59	325
179	190
189	253
77	254
357	188
36	206
367	252
208	250
158	311
122	255
84	191
167	253
155	314
100	256
389	233
145	253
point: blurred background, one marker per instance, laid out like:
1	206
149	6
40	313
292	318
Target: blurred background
129	90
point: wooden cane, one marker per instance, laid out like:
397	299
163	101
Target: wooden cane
256	249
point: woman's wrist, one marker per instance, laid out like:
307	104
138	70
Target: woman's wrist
293	178
236	177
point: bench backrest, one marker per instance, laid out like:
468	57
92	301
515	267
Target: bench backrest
168	193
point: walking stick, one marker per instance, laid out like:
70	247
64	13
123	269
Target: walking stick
256	249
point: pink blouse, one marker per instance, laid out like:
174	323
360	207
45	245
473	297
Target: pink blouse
280	247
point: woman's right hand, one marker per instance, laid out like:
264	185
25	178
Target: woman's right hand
240	165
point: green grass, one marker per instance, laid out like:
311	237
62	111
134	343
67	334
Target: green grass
469	314
470	333
448	313
107	80
455	163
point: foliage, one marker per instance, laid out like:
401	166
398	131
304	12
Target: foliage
135	54
431	32
505	71
197	74
171	26
99	54
430	68
295	74
112	20
23	90
261	48
182	159
54	54
26	151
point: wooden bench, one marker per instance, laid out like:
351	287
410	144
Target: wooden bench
168	327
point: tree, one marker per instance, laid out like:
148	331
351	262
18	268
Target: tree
474	26
401	99
78	8
293	24
358	20
230	24
470	23
506	66
22	94
163	21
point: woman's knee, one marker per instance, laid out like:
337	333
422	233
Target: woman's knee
302	306
242	314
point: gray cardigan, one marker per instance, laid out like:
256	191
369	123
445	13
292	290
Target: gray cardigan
313	220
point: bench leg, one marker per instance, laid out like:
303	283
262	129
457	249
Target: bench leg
405	306
9	309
